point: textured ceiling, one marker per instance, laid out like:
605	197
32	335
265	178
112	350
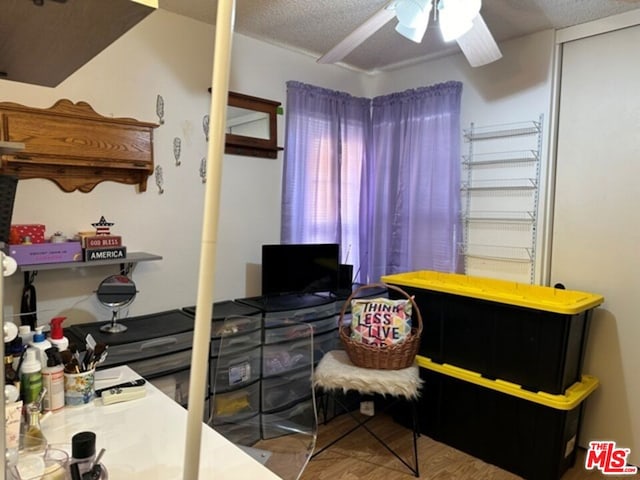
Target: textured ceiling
315	26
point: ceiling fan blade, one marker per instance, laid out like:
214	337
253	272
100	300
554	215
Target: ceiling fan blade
370	26
478	44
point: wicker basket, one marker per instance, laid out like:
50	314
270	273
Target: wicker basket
392	357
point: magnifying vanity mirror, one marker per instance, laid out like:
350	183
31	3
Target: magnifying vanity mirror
116	292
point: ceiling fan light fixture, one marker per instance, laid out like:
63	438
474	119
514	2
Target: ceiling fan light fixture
456	17
413	13
453	28
414	34
474	38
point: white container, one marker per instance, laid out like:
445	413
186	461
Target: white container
40	343
61	343
24	331
53	381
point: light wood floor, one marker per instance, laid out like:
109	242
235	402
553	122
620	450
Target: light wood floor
360	457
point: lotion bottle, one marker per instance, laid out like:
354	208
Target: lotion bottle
56	337
25	333
40	343
30	377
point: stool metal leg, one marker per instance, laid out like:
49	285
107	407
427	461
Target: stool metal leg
414	468
322	403
416	434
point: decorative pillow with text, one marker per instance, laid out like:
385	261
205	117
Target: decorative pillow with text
380	321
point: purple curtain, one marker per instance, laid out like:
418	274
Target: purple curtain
326	145
410	208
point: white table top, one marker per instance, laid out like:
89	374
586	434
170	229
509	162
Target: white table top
145	438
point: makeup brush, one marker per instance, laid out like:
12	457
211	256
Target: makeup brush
99	354
73	348
87	359
70	361
95	472
66	357
76	362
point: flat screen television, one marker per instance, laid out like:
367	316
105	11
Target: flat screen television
300	268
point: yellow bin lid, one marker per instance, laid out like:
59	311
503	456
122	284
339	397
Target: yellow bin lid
569	302
571	398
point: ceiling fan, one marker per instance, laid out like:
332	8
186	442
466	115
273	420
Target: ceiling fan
459	20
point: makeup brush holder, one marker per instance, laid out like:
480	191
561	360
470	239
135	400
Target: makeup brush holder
79	388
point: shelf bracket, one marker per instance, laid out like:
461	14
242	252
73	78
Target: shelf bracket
126	268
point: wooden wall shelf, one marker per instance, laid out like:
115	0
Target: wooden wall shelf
75	147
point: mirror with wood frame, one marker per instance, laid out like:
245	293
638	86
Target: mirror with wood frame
251	126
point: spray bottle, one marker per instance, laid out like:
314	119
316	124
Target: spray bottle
53	381
56	337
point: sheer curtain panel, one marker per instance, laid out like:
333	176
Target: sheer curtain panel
326	146
410	209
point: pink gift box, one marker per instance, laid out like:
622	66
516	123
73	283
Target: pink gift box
34	231
46	253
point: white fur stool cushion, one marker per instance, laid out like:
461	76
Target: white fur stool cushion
336	372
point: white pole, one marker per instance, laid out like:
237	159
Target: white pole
3	446
8	267
202	329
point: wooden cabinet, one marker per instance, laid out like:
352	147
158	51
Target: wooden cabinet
75	147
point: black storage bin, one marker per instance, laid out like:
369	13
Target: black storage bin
296	307
530	335
533	437
246	330
138	341
226	308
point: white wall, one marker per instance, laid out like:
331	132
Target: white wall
169	55
516	87
596	235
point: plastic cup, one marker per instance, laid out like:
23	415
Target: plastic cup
56	463
50	464
27	460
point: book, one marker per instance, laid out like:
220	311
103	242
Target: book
102	241
113	253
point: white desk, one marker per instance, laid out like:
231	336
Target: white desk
145	438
